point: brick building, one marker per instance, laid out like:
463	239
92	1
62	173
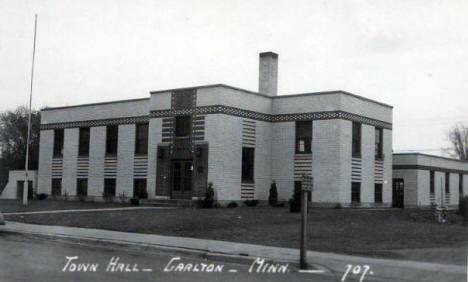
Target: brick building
172	144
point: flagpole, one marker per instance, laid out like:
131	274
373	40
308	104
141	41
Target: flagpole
25	185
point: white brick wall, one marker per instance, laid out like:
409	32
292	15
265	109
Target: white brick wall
326	156
344	128
125	155
388	162
368	164
70	154
282	158
45	161
160	101
422	187
263	160
97	149
224	134
410	178
92	112
233	98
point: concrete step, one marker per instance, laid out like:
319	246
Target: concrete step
169	202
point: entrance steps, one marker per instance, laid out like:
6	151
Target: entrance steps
169	202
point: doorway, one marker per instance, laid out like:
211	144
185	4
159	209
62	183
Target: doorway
398	193
182	179
19	190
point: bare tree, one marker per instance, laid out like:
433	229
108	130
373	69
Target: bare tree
458	137
13	133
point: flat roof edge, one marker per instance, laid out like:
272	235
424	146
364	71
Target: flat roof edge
430	156
210	86
335	92
94	104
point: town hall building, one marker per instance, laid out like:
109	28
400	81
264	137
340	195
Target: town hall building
174	143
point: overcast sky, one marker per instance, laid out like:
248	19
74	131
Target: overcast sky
410	54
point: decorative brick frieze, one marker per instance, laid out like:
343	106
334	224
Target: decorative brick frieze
302	166
248	133
227	110
57	167
247	191
82	167
378	171
140	166
356	169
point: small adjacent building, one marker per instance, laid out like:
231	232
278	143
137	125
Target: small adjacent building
421	180
173	143
15	186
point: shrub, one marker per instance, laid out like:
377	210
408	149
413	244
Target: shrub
463	207
108	198
81	198
273	197
295	201
123	197
208	201
251	203
338	206
42	196
135	201
232	205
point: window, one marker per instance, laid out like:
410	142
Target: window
378	193
112	133
431	184
356	146
378	143
56	187
303	137
355	192
83	148
248	164
460	185
58	143
447	183
182	126
141	142
109	187
82	187
139	188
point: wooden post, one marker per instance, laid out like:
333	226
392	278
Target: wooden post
303	263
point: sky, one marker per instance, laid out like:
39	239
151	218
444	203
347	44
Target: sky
409	54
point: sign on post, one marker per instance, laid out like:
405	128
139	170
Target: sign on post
307	186
307	182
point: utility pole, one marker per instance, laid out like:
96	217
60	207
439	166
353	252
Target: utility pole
26	165
307	186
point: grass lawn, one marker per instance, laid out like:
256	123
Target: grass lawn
381	233
15	206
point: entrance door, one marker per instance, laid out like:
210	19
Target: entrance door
19	190
182	179
398	193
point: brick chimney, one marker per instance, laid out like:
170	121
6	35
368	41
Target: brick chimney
268	74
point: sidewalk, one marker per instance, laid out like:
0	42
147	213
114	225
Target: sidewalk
87	210
382	268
